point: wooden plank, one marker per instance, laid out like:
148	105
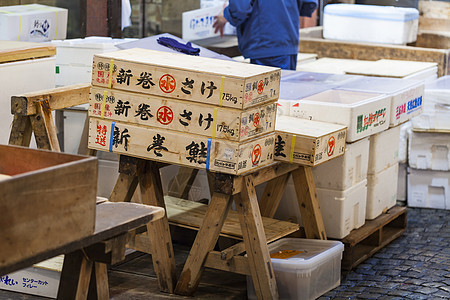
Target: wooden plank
111	219
96	17
171	114
193	78
14	51
434	39
182	183
392	68
204	242
308	203
255	241
236	264
124	188
58	98
158	231
272	195
234	250
20	131
362	243
99	282
75	277
435	24
44	128
363	51
228	184
191	214
307	142
181	148
434	9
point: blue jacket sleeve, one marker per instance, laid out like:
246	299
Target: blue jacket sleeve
238	11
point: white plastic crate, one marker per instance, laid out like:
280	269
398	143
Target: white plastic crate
42	279
429	151
370	23
402	182
22	77
407	95
381	191
333	80
197	24
305	269
383	150
343	211
405	130
32	23
428	188
364	114
345	171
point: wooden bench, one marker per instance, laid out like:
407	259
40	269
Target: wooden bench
85	264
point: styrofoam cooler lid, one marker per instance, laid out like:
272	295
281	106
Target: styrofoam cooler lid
344	97
322	78
380	85
377	12
443	83
297	91
311	252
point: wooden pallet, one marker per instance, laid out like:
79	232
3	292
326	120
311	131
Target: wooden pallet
362	243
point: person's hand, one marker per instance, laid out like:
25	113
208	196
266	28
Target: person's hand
219	23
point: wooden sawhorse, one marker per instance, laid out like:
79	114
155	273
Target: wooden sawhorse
33	114
226	189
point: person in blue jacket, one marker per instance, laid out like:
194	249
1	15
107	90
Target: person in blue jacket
267	30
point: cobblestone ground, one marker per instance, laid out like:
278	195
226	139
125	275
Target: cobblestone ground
414	266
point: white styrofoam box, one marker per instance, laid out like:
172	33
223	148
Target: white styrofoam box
383	151
74	57
22	77
427	188
108	172
402	182
210	3
304	268
338	66
73	129
343	211
364	114
283	107
41	279
429	150
332	80
345	171
370	23
199	189
381	191
405	130
407	95
32	23
197	24
436	110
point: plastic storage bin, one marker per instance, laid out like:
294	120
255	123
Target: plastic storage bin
370	23
407	95
313	271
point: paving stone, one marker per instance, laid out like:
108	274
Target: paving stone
427	290
389	272
417	296
445	288
399	293
369	296
433	284
415	281
442	294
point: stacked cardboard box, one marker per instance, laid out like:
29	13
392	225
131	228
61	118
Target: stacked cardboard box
193	111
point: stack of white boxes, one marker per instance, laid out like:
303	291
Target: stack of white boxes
428	151
361	184
382	174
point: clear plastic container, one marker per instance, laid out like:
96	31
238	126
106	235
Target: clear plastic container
314	269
